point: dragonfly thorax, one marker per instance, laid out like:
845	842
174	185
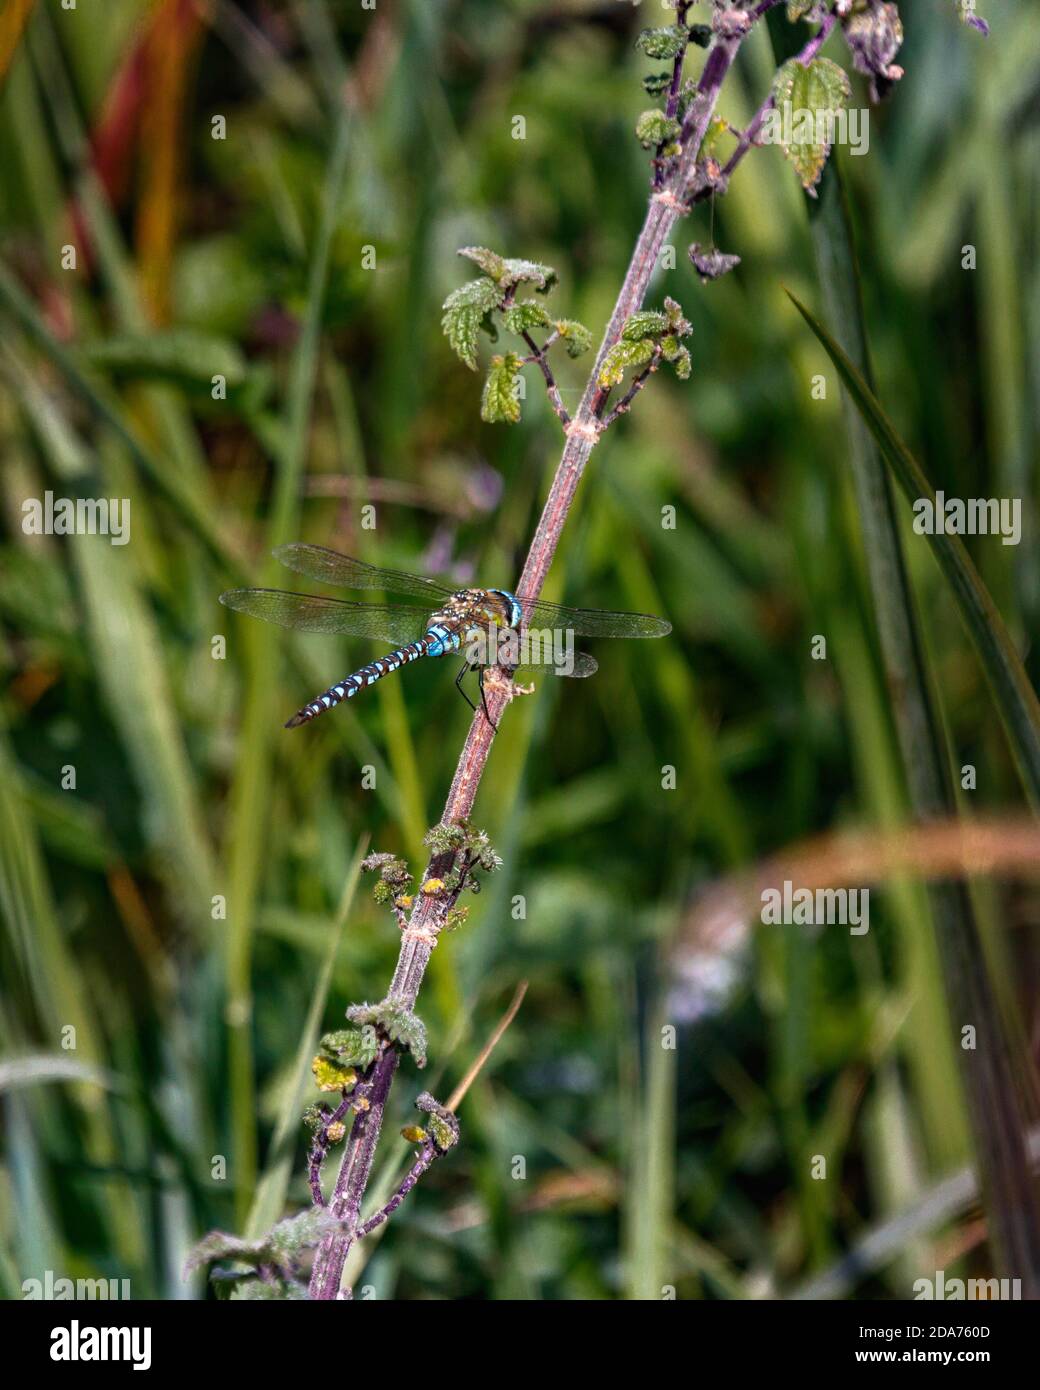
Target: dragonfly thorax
479	608
470	614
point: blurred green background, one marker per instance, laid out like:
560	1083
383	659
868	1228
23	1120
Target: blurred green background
244	256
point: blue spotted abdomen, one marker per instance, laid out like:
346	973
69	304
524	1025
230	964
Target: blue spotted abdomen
368	675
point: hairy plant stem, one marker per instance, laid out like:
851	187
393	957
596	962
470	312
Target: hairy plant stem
665	207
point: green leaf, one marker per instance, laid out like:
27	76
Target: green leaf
655	84
677	320
621	356
1015	697
350	1047
521	318
673	351
282	1244
799	9
464	311
507	272
519	272
807	99
443	1135
490	262
395	1021
576	337
331	1076
443	1124
647	323
654	128
666	42
499	403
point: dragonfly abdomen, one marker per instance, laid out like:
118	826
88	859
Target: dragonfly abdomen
361	679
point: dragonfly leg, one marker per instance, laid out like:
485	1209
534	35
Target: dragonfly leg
458	685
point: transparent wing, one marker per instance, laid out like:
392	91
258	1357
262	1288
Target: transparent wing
309	613
594	622
330	567
584	665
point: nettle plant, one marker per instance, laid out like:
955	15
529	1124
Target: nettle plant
693	153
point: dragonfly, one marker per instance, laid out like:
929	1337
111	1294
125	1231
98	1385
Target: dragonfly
484	623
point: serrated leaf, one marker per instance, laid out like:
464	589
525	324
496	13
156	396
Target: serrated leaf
396	1021
665	42
520	272
623	355
490	262
677	320
576	337
655	84
521	318
647	323
351	1047
464	313
280	1246
807	99
444	1136
331	1076
680	359
654	128
499	403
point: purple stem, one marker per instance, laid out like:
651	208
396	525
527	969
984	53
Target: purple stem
673	93
428	915
418	1168
320	1149
352	1179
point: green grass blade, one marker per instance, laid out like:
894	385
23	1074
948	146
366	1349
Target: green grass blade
274	1183
252	786
1015	697
170	485
995	1100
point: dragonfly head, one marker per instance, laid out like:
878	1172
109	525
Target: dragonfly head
512	610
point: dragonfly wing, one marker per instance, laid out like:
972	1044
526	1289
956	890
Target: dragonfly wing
309	613
593	622
330	567
583	665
